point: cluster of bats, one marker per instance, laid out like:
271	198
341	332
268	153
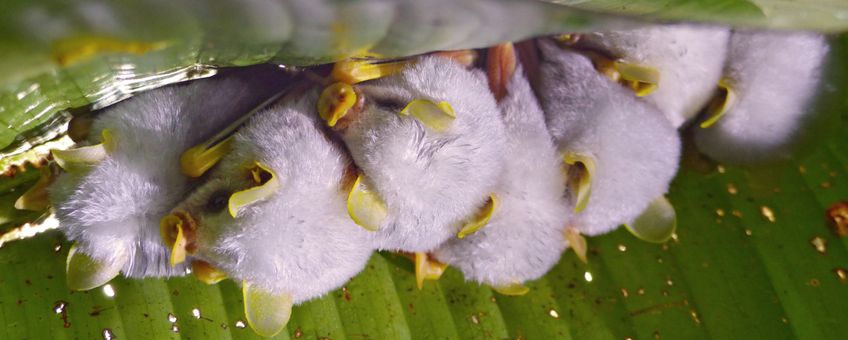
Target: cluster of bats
491	165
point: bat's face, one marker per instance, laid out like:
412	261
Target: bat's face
272	212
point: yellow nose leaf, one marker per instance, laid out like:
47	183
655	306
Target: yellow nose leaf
196	161
84	272
436	116
354	71
426	269
723	102
481	219
365	208
83	158
579	171
267	185
514	289
267	313
335	102
643	80
206	273
172	231
577	243
657	223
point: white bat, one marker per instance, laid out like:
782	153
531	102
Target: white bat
524	237
621	152
114	191
769	82
272	215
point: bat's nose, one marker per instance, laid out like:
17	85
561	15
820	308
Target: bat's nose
177	231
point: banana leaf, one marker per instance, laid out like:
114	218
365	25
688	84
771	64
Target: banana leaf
753	257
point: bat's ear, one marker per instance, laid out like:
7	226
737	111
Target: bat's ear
425	269
353	71
267	313
579	171
500	67
84	272
721	103
514	289
480	219
657	223
83	158
436	116
266	184
642	79
335	102
365	208
196	161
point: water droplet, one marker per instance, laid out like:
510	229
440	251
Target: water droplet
175	328
842	274
172	318
587	276
720	169
107	334
814	282
59	307
659	259
731	189
474	319
749	232
838	216
224	326
553	313
188	270
720	212
628	338
57	248
624	292
196	313
784	319
694	314
669	282
298	333
622	248
802	169
641	291
768	213
240	324
108	290
820	244
674	237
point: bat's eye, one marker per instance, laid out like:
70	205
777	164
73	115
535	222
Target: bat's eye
218	201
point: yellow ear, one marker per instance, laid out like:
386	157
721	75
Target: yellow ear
426	269
85	273
437	116
267	313
365	208
480	219
354	71
196	161
579	171
83	158
643	80
514	289
267	185
723	102
335	102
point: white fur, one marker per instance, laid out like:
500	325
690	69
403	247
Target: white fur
524	238
636	150
115	208
775	75
689	57
300	241
430	181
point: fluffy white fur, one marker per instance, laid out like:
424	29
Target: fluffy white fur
689	57
113	211
775	75
636	150
524	238
300	241
430	181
